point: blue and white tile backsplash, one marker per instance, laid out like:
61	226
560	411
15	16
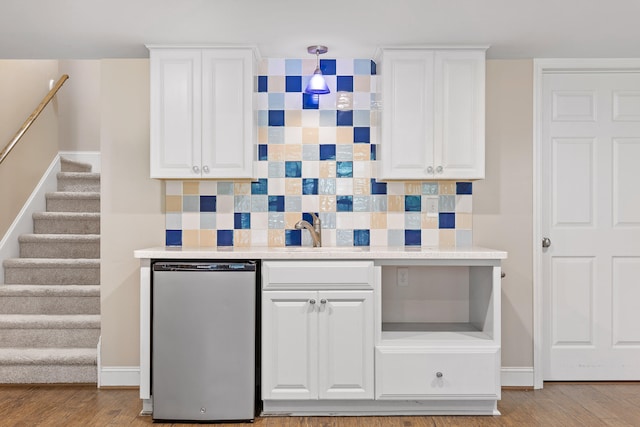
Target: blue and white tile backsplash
317	153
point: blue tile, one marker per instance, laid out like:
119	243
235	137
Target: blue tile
292	169
328	67
379	203
262	152
447	203
378	187
463	187
362	67
344	84
259	203
242	203
395	237
225	188
275	169
412	203
292	203
276	101
361	135
327	118
190	204
310	101
327	186
344	118
208	221
293	84
225	237
361	118
260	187
327	151
276	220
328	220
360	237
446	220
310	186
430	188
362	203
344	169
207	203
241	221
373	151
412	237
276	203
276	118
173	237
263	117
293	67
307	217
262	84
344	203
344	237
292	237
373	68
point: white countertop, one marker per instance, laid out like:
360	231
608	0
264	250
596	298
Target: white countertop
308	252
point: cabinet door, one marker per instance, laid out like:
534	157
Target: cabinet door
459	112
175	113
289	345
346	344
407	114
227	113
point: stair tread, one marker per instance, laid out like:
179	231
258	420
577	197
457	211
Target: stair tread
37	356
87	175
73	195
50	321
67	215
24	238
50	290
52	262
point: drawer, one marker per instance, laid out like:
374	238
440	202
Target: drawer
317	275
423	374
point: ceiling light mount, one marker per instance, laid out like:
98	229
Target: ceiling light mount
317	85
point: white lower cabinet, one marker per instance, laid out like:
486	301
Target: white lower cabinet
428	373
316	344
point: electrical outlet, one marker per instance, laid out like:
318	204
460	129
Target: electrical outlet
432	206
403	276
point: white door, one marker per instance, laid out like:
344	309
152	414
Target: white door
591	214
289	345
346	344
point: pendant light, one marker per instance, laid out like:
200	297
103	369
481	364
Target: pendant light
317	85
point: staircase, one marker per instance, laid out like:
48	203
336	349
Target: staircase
50	302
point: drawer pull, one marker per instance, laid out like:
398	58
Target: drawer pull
312	301
439	374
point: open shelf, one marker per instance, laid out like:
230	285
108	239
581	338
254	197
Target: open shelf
422	332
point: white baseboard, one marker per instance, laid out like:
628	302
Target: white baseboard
517	376
119	376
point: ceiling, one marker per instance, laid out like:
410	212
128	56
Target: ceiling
90	29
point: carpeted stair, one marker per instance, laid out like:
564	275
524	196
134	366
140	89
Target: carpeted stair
50	302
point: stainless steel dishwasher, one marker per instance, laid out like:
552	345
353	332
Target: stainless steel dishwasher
203	341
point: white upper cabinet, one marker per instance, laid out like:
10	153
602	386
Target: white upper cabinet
432	113
202	115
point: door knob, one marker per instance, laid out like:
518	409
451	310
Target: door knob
546	242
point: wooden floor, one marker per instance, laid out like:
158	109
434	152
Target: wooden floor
558	404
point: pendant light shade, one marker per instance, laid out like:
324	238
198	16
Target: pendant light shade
317	85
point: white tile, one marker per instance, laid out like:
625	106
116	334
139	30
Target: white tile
378	237
262	102
395	188
327	135
224	221
344	220
395	220
327	101
292	135
328	237
362	169
276	186
362	220
310	203
310	118
292	101
430	237
261	169
259	220
191	220
276	66
225	204
208	188
310	169
464	203
344	186
259	237
173	188
344	67
361	101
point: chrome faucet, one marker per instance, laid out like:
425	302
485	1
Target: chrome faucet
314	229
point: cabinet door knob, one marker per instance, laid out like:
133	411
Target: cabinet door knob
323	301
439	374
205	169
439	169
312	301
430	169
196	169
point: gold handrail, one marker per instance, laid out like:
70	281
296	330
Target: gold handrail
27	123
